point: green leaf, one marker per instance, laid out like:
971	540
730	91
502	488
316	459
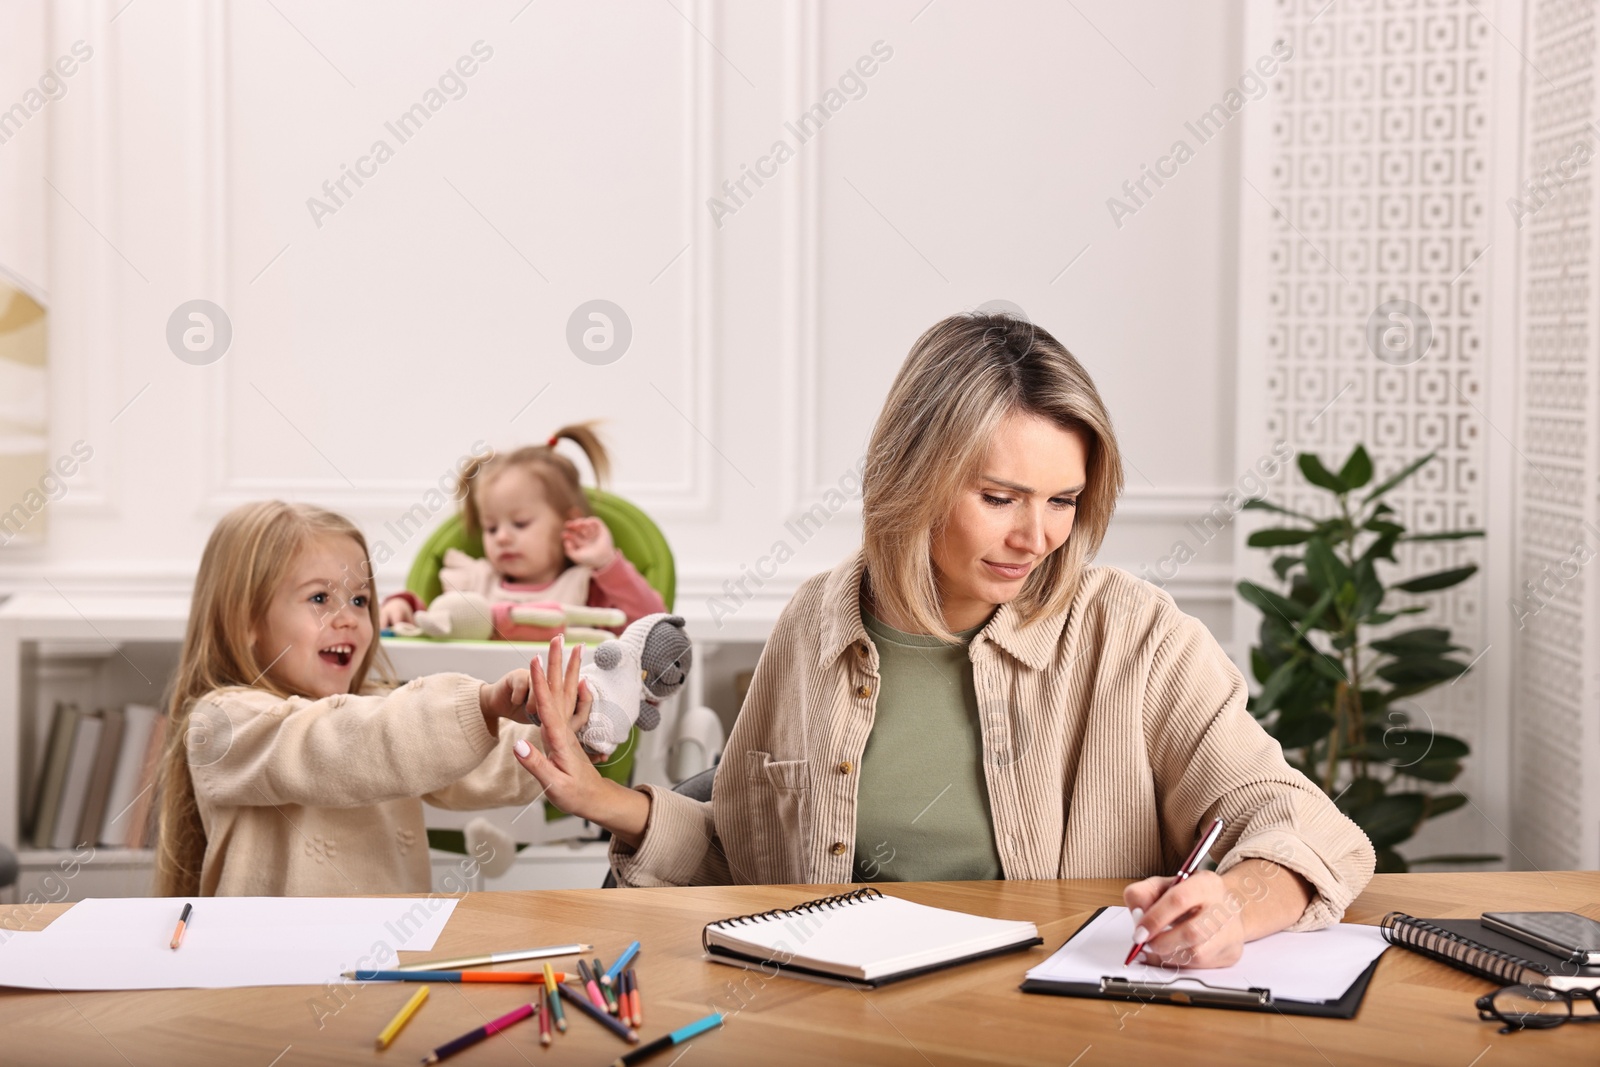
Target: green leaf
1325	569
1460	857
1369	590
1260	666
1379	526
1319	475
1439	805
1269	602
1450	535
1389	616
1391	862
1275	686
1391	819
1265	505
1327	666
1403	747
1433	770
1313	614
1424	640
1429	583
1359	793
1281	565
1303	730
1404	473
1417	670
1357	470
1277	535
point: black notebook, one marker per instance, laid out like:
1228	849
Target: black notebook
862	938
1467	945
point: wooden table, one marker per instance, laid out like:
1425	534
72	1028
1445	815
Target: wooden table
1416	1011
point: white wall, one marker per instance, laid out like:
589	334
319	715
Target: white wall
429	311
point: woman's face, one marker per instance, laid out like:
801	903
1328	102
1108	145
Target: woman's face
1006	521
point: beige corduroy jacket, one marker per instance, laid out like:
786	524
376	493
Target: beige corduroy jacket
1112	732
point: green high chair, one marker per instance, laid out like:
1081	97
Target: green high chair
636	536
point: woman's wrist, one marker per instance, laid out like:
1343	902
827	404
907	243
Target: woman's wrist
1271	897
623	811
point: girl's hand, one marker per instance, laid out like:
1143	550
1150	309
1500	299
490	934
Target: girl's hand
586	541
561	701
395	610
505	699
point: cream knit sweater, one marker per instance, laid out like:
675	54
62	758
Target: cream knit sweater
1112	732
324	797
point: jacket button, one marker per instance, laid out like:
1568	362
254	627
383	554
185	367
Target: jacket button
846	767
863	690
838	848
861	650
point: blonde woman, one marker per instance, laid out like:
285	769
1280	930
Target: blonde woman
966	698
289	770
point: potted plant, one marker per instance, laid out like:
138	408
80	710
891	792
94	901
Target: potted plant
1332	694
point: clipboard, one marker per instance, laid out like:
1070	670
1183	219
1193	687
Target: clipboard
1188	993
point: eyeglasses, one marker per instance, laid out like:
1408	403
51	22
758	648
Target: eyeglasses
1537	1007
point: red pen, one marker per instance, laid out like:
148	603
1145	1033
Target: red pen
1190	865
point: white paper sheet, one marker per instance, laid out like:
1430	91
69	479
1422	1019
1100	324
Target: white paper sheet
1316	966
230	942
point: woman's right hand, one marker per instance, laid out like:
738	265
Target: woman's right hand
395	609
561	701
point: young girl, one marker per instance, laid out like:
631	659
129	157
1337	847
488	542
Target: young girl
287	771
540	540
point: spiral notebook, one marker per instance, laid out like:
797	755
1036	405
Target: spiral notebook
1467	945
862	938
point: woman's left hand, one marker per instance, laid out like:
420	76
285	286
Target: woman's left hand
1205	916
587	542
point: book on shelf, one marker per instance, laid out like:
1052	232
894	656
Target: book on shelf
75	787
57	755
114	722
127	781
142	815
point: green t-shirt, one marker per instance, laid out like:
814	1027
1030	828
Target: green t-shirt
922	810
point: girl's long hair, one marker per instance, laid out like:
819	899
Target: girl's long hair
248	557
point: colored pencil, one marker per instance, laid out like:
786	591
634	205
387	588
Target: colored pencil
544	1021
677	1037
599	1015
634	1004
452	976
590	985
461	962
554	999
621	964
402	1017
488	1029
606	991
183	924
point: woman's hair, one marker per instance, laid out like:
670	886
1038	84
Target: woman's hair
555	472
246	561
961	379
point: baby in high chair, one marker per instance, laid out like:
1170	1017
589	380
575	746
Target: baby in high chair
542	547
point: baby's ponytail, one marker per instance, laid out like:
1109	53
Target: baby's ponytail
558	474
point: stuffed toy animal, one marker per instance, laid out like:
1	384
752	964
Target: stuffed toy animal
457	616
631	676
452	616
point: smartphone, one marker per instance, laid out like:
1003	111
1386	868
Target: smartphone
1573	937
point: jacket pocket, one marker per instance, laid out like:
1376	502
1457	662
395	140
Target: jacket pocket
778	795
